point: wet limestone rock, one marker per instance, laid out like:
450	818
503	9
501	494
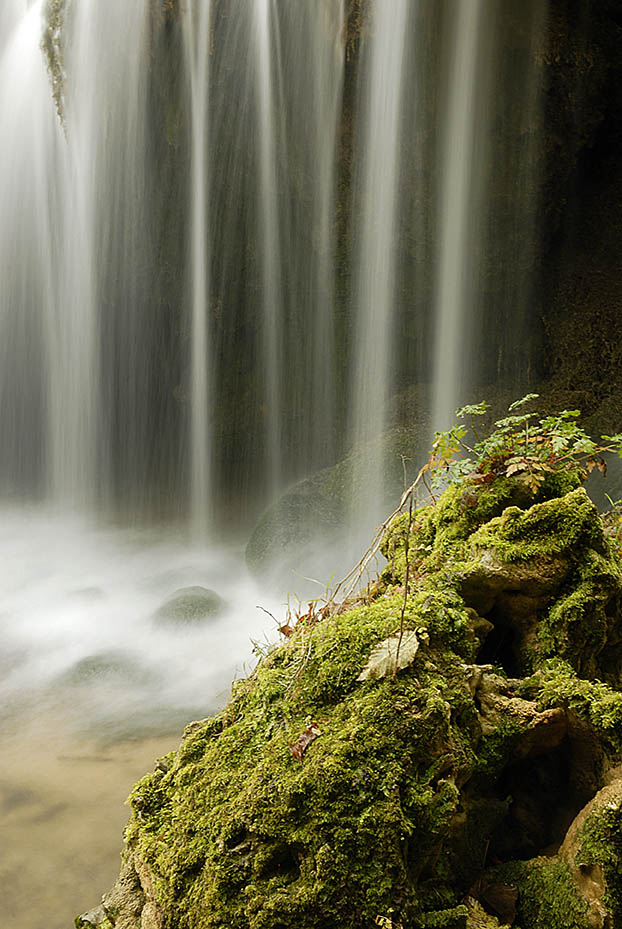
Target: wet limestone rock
321	798
125	907
592	850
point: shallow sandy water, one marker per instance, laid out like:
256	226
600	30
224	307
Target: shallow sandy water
63	813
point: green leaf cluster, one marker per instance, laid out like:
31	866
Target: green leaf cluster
525	446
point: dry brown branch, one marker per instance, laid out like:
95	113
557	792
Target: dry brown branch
351	582
406	573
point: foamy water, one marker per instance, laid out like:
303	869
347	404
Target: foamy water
76	622
92	691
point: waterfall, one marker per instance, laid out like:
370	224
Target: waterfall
103	410
29	247
260	231
323	60
274	109
488	204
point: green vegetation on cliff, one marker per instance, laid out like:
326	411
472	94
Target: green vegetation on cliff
419	755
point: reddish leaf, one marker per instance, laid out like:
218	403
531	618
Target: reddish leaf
305	739
598	462
486	478
286	630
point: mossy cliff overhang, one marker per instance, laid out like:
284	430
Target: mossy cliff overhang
326	796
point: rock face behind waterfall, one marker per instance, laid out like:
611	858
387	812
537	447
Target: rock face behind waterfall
480	785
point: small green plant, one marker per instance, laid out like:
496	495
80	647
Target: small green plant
526	446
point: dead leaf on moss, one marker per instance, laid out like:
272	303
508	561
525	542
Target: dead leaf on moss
311	733
384	657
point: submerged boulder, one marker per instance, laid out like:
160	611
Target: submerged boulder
445	790
301	531
112	667
189	606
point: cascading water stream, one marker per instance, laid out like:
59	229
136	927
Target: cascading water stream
197	44
258	344
73	337
269	233
489	199
374	289
456	267
29	248
325	63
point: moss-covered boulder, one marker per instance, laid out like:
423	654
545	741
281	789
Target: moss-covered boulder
434	792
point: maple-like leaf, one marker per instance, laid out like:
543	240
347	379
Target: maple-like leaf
298	748
384	658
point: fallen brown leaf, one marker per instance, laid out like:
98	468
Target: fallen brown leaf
298	748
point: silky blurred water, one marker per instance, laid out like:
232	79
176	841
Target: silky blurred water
73	592
92	691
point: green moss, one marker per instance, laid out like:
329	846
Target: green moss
495	751
560	526
246	835
503	516
452	918
557	684
578	624
601	844
463	508
547	896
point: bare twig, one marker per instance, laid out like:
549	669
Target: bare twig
268	613
405	475
406	572
351	582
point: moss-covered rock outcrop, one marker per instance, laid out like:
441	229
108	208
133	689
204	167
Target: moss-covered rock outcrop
465	789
